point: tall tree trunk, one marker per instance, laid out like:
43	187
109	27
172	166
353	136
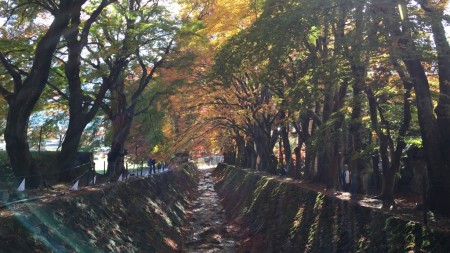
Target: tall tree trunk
309	129
121	120
264	149
286	144
18	148
356	128
295	172
122	114
81	111
250	160
438	167
229	154
241	152
337	139
77	123
388	176
435	13
355	52
325	150
441	175
401	144
438	189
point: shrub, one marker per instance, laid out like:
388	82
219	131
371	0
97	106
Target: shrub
6	174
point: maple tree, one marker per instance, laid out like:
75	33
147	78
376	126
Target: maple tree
205	27
434	135
146	41
306	86
27	79
83	106
318	66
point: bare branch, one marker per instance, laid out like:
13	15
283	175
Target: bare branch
59	91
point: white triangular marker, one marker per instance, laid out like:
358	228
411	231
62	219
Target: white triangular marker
75	186
94	180
21	187
120	178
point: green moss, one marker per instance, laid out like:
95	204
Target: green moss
312	233
297	223
261	186
410	236
122	217
319	201
363	244
284	217
426	238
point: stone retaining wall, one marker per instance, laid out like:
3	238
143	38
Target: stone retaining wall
283	217
140	215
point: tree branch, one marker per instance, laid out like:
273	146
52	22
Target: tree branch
59	91
12	71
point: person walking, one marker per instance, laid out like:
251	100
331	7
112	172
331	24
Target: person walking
154	164
346	178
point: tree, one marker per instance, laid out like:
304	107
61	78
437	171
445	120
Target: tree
142	48
83	107
432	136
440	173
28	82
189	117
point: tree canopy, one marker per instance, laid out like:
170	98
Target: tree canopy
303	86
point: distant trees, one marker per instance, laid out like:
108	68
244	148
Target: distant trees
357	80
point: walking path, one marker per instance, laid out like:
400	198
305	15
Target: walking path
207	230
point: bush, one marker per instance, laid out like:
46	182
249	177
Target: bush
47	164
6	174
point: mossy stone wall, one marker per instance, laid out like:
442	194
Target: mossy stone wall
140	215
284	217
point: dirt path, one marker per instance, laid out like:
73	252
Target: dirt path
207	229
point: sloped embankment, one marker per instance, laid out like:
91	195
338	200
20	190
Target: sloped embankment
140	215
281	216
